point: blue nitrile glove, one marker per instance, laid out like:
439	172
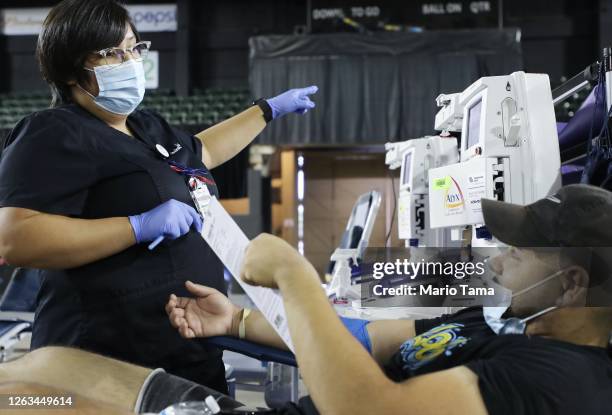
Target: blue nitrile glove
294	100
357	327
171	219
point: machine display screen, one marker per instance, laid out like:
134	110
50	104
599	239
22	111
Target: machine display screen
406	168
473	136
357	223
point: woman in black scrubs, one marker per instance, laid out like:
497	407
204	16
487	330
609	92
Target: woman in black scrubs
86	185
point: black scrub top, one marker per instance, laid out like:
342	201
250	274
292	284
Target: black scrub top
68	162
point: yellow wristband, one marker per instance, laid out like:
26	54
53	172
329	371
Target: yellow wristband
242	325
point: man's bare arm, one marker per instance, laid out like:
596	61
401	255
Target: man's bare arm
333	364
340	375
387	336
258	330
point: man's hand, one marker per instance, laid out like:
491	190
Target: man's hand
268	259
209	314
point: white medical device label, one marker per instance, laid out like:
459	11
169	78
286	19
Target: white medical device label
404	216
455	194
476	190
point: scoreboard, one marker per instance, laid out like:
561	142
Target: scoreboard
328	15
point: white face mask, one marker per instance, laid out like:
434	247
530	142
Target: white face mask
121	86
493	314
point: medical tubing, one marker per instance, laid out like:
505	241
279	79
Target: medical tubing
600	99
604	132
598	89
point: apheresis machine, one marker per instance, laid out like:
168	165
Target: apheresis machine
497	140
508	151
416	157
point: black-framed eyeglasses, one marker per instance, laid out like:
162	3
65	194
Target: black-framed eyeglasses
112	56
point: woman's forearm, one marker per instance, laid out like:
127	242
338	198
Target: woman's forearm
39	240
223	141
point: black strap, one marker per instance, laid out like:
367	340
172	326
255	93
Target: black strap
265	107
610	344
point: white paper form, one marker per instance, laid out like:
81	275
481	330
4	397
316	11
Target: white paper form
229	243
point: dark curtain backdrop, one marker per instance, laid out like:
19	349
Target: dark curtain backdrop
374	87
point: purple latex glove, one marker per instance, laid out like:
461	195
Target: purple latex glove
171	220
295	100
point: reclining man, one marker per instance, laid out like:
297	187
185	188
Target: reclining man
453	364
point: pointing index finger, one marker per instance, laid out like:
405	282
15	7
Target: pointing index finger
310	90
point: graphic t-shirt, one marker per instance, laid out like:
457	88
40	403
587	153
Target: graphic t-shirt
517	374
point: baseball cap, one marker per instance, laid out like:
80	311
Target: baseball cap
578	215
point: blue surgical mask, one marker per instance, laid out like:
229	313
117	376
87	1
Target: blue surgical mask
121	86
502	300
504	296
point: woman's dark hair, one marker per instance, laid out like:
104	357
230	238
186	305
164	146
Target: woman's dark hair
71	32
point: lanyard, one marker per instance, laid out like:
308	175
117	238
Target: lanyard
199	173
196	182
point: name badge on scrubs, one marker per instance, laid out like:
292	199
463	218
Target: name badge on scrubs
200	194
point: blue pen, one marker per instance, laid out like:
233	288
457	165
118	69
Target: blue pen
156	242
